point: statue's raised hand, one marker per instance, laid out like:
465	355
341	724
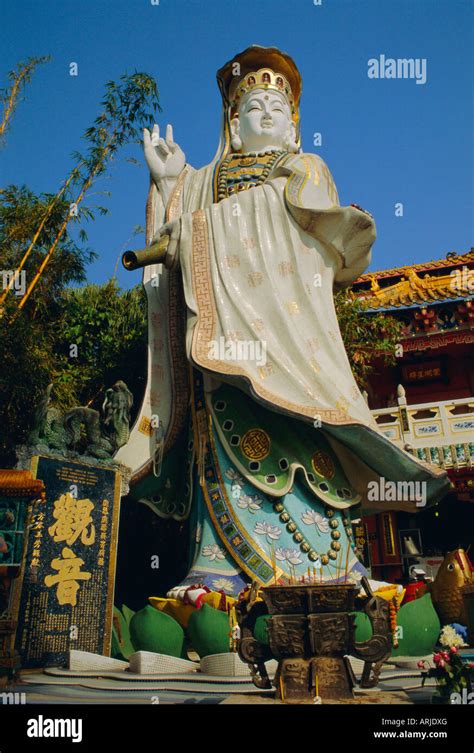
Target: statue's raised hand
164	158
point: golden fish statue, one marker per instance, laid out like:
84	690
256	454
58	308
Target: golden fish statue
454	573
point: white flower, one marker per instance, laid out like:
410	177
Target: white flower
237	482
311	517
450	637
223	584
213	551
288	555
235	490
266	529
249	502
232	475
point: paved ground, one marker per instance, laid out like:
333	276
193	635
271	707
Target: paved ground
396	686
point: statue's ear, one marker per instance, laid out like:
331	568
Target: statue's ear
235	126
236	141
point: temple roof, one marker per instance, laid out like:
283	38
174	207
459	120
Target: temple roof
416	286
17	483
454	260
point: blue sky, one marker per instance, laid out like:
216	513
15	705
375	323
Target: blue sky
385	141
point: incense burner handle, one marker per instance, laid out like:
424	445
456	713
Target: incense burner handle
378	647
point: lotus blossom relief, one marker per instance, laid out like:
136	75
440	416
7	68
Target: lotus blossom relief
250	502
235	490
237	482
233	475
223	584
271	533
288	555
213	551
262	528
312	517
291	557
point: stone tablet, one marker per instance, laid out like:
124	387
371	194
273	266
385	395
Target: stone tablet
65	599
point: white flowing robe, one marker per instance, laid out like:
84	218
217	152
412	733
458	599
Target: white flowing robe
261	267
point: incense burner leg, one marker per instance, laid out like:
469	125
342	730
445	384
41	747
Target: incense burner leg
293	680
371	673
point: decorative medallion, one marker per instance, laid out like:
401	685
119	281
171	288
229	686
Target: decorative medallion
255	444
248	161
323	464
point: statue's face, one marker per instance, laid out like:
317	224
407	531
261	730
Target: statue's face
264	121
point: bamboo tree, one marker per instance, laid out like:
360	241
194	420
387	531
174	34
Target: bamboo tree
127	106
19	78
55	200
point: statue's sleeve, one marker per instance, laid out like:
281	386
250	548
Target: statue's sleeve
312	200
174	209
166	386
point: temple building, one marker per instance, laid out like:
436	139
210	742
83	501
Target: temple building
425	403
18	490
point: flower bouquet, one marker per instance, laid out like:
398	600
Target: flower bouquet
451	673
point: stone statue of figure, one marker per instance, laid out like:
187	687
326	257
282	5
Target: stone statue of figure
269	446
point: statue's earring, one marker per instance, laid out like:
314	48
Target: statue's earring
236	141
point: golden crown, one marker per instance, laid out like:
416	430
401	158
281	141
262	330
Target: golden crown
265	78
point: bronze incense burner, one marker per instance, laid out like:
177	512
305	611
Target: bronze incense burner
310	632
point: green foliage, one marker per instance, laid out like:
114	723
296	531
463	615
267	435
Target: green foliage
21	212
108	326
27	343
370	339
26	352
109	329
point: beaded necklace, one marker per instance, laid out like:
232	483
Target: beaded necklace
239	172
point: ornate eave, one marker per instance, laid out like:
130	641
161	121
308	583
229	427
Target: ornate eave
454	260
15	483
417	287
415	291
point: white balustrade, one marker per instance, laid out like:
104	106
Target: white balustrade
438	432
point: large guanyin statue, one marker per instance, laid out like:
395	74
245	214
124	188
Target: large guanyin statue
266	441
